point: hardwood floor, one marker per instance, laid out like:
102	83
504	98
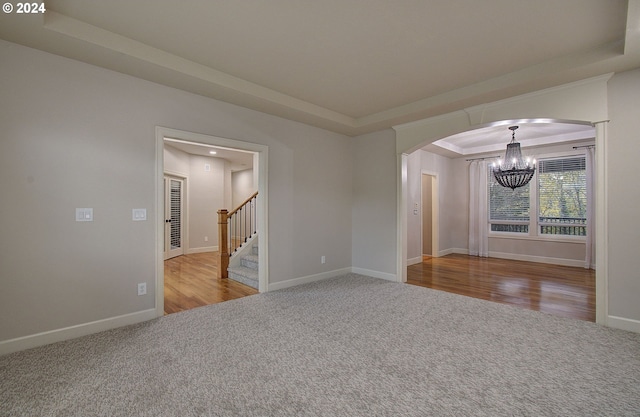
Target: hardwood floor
191	281
560	290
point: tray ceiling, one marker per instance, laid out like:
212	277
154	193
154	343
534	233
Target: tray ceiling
349	66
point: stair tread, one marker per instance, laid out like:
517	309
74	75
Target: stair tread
244	271
244	275
252	258
247	270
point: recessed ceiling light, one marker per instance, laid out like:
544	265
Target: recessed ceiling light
213	152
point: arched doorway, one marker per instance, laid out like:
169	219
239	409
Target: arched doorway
580	102
535	240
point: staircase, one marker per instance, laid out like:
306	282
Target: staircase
247	271
238	237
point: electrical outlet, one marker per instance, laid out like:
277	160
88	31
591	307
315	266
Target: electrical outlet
142	288
206	238
323	259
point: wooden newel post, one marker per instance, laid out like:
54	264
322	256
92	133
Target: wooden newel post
223	246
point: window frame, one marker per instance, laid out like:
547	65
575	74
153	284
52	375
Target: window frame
533	222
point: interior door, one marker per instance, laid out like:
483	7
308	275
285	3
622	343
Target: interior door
173	217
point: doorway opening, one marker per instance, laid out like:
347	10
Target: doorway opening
215	179
430	244
454	240
195	175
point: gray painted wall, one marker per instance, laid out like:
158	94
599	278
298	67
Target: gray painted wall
204	195
623	154
241	187
374	210
75	135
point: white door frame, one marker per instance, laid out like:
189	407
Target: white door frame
262	153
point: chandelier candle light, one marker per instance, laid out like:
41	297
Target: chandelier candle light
515	171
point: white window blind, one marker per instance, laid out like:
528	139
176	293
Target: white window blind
562	196
176	216
508	209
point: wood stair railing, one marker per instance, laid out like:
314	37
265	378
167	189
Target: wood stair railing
234	229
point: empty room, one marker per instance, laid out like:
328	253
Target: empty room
437	218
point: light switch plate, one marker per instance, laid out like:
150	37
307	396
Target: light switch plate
84	214
139	214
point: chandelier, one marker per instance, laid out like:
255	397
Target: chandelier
515	171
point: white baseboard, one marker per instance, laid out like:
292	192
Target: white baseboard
52	336
414	261
520	257
202	249
624	324
449	251
539	259
307	279
375	274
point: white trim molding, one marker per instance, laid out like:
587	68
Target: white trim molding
449	251
520	257
307	279
579	263
622	323
602	225
401	219
72	332
375	274
331	274
202	249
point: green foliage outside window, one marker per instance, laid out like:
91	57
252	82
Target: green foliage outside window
562	200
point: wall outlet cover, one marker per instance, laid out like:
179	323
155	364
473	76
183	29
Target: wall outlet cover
84	214
139	214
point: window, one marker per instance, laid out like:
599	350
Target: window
508	209
562	196
554	203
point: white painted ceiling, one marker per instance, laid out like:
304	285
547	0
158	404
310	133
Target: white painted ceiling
351	66
238	160
494	138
